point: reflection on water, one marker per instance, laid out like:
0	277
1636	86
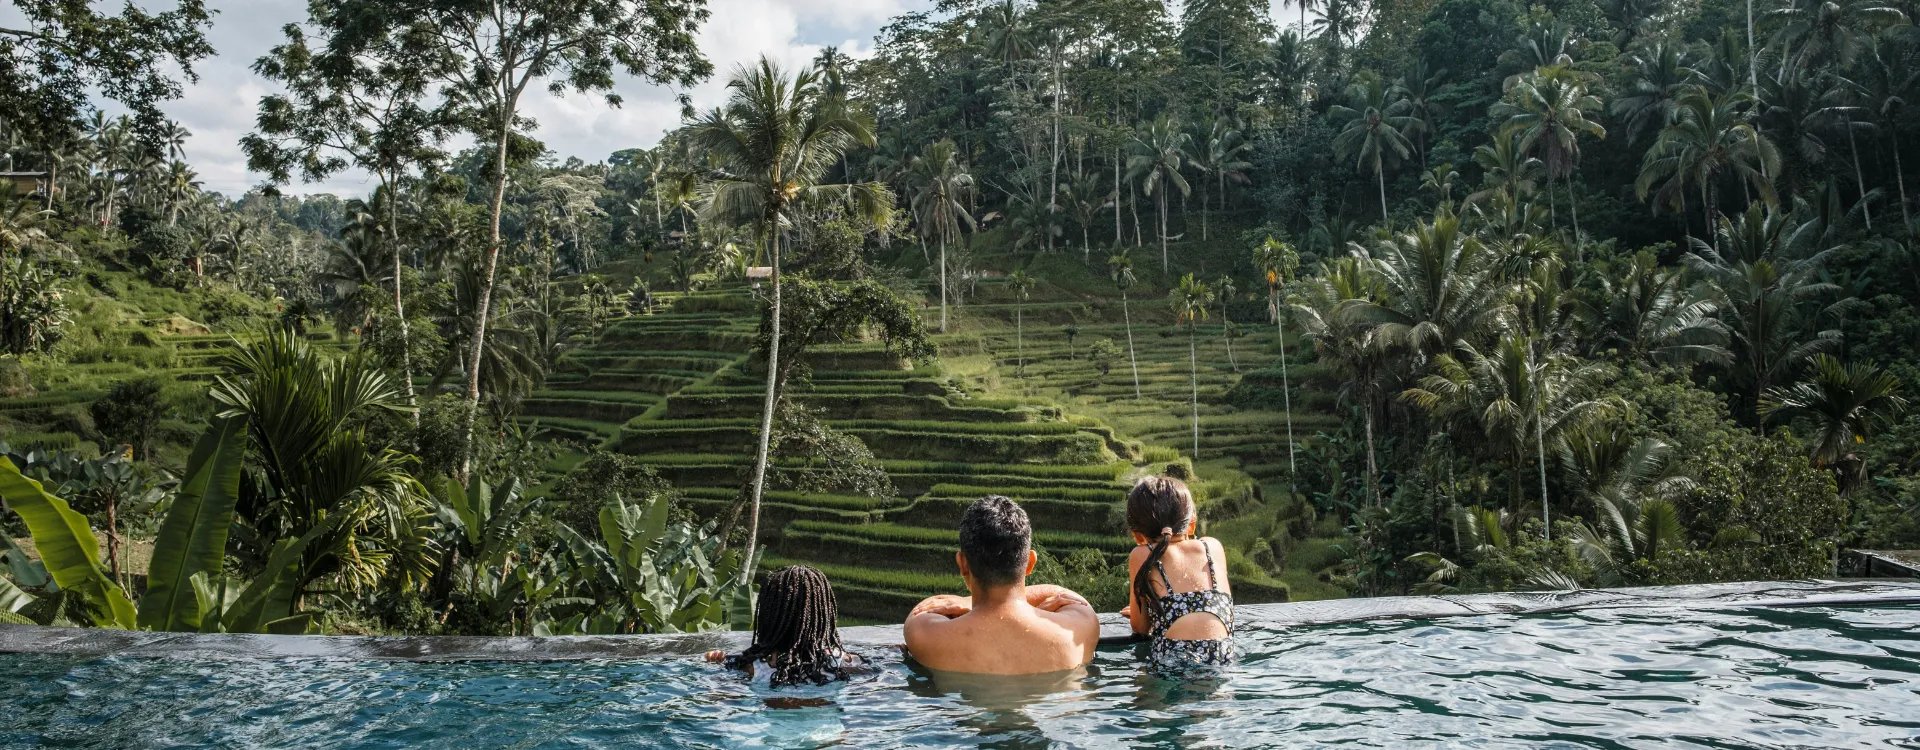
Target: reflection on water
1625	678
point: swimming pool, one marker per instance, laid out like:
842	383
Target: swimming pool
1708	674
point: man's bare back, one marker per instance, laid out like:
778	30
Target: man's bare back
1004	627
1019	630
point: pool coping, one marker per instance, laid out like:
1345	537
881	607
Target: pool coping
94	642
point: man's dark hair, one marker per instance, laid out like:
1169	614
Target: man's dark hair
995	537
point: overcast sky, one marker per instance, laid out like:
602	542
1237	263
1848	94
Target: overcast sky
220	108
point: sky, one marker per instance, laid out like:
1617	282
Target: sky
220	108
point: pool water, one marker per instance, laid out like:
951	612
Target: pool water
1812	677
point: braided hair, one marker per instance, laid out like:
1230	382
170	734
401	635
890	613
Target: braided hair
1157	508
793	631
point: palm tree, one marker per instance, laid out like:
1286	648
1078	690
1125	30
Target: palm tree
1708	137
1883	83
1021	285
1652	312
322	475
1506	168
1661	74
1190	300
1422	87
1158	155
1374	131
1816	34
776	137
1509	392
1220	152
1548	112
941	186
1770	296
1277	261
1225	290
1120	268
1845	403
1347	344
1440	289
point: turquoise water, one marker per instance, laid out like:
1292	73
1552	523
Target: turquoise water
1607	679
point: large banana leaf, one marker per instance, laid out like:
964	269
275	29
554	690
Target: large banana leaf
67	547
193	537
266	605
12	599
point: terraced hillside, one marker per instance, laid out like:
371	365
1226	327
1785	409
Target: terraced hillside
675	388
1241	448
176	352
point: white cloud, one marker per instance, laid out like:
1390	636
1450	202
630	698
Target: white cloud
220	108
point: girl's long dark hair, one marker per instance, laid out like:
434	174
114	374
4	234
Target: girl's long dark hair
793	631
1157	508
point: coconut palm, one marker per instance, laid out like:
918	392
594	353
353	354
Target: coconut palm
1709	136
1277	262
1816	34
1661	74
1120	269
1421	85
1516	394
1346	342
1506	168
1220	152
1224	291
1653	313
1547	111
1845	403
1158	157
941	186
775	139
1440	287
1770	296
1021	285
1373	132
1882	85
1190	300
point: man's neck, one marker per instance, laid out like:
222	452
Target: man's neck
1000	598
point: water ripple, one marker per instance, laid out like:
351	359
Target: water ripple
1735	678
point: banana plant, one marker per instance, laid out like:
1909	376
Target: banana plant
648	574
187	587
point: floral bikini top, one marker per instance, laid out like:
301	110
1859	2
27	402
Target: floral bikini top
1173	606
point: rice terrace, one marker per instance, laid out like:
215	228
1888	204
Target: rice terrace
1012	373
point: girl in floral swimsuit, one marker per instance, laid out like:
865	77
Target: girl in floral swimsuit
1179	594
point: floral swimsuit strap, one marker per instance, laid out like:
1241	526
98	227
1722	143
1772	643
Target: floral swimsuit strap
1212	601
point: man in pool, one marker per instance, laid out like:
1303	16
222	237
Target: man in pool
1005	627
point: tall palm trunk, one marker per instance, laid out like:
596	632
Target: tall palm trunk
943	282
1859	177
1020	338
1286	389
1900	178
1753	65
1163	229
494	243
1573	204
1193	379
1133	361
1381	174
1133	207
1203	209
1053	189
399	306
766	412
1540	453
1373	464
1119	232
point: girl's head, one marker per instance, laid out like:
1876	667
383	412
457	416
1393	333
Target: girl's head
1158	509
793	629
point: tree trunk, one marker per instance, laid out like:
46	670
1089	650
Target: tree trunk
1020	338
1859	177
1540	452
113	537
1203	208
1133	207
1901	179
1226	332
494	242
1286	389
1053	192
943	283
766	412
1163	229
1132	360
1381	174
1193	379
1753	69
399	305
1119	232
1573	204
1373	465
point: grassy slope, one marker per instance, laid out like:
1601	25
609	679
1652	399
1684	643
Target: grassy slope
1054	435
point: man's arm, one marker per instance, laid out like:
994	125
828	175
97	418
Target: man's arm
1072	610
927	617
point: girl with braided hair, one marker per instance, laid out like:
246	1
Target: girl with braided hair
795	640
1179	597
